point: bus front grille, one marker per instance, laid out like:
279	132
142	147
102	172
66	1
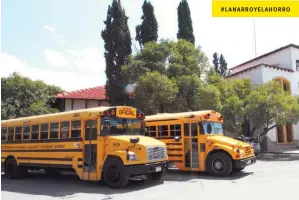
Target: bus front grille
156	153
247	151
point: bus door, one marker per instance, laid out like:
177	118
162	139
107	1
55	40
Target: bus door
90	150
191	145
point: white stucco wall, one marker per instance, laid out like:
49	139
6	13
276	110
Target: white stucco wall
255	75
81	104
283	58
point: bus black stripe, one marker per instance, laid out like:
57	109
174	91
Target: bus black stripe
173	143
175	155
174	149
44	150
43	158
65	166
176	161
42	141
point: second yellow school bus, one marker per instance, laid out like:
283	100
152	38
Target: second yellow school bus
196	142
97	143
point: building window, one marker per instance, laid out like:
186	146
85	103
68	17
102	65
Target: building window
285	84
297	65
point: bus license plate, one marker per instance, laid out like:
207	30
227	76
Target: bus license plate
158	169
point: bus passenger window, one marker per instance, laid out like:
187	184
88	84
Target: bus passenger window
151	131
18	133
64	130
175	130
76	129
54	130
26	132
10	133
186	129
44	130
3	133
34	132
162	130
91	130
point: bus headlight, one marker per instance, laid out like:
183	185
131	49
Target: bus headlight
131	156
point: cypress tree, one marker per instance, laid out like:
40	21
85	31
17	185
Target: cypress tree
117	46
185	22
223	66
216	62
148	29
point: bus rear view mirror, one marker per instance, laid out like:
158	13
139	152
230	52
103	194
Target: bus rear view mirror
134	140
177	138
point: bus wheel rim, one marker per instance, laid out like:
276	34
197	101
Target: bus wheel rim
114	174
218	164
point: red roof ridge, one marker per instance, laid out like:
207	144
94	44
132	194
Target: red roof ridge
266	54
97	92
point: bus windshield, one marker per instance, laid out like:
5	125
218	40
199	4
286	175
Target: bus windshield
124	126
211	128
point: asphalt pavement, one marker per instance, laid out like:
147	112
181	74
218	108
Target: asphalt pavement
263	180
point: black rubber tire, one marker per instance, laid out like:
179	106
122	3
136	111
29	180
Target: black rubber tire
238	169
12	170
156	176
115	165
224	160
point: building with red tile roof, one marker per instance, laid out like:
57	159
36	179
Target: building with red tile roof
84	98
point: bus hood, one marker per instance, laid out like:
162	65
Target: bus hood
143	140
228	141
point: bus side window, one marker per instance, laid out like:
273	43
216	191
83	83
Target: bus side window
10	133
44	131
26	132
151	131
54	130
186	129
34	132
3	133
64	130
18	135
162	130
76	129
175	130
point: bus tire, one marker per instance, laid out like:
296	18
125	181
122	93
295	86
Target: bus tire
12	170
115	174
156	176
238	169
219	164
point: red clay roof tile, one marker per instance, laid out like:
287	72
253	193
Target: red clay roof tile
98	93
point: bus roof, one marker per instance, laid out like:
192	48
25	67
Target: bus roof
173	116
60	114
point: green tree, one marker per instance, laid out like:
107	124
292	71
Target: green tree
22	97
155	93
216	63
223	66
185	22
268	106
148	29
117	41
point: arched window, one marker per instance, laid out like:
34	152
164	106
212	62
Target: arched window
284	133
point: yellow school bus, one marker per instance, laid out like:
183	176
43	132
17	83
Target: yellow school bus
97	143
196	142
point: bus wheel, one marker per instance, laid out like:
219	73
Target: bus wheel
219	164
12	170
238	169
155	176
114	174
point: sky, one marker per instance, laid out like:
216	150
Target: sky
60	42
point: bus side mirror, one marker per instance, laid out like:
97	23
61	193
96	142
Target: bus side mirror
134	140
177	138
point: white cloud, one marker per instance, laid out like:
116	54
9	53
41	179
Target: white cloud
88	59
56	59
67	80
49	28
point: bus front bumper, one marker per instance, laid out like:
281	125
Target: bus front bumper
141	169
245	162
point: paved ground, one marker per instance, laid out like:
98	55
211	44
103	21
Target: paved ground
264	180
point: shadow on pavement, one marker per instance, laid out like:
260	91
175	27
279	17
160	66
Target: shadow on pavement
195	176
66	185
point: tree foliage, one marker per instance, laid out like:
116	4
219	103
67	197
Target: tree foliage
220	65
148	30
22	97
185	22
117	39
